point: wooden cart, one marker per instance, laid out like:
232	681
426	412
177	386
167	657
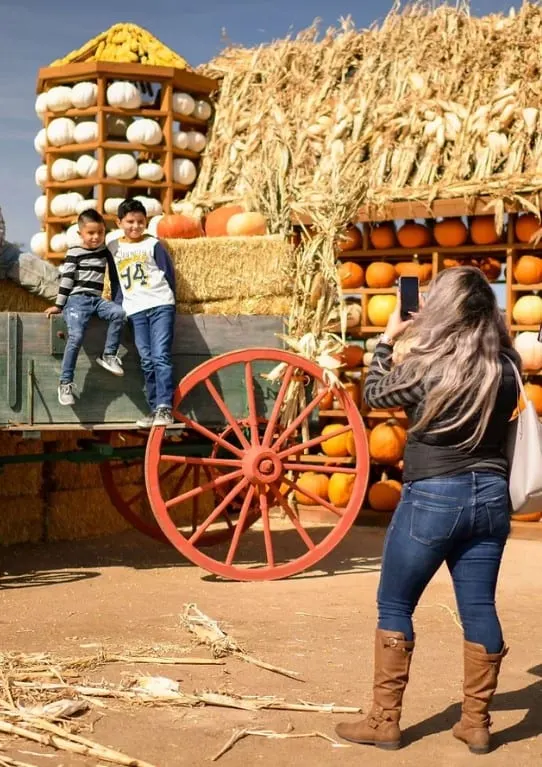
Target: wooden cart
230	444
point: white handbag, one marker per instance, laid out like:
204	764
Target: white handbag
524	451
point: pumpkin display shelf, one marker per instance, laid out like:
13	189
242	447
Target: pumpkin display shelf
135	131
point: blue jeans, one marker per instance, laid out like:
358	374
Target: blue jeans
153	332
463	521
77	313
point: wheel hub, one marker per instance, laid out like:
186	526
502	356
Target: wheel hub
262	465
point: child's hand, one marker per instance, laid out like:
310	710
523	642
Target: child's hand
52	310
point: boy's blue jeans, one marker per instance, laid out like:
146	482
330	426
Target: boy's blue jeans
153	333
461	520
77	312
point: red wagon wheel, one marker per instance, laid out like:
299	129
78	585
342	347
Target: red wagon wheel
258	467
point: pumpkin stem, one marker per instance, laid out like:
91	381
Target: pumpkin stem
384	477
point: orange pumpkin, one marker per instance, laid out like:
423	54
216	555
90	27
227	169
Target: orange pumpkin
350	275
451	263
534	516
412	235
383	236
217	220
424	272
352	356
534	394
350	239
380	274
178	227
526	227
354	391
528	310
528	270
340	488
246	225
387	442
384	495
316	483
379	309
491	267
326	403
483	230
451	233
335	447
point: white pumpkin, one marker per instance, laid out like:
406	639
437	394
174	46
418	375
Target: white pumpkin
59	98
180	139
123	166
202	110
65	205
86	166
111	205
41	175
150	171
86	132
113	235
151	205
40	207
73	238
63	169
144	131
84	205
184	172
41	106
530	350
59	242
38	244
196	141
183	103
123	95
187	208
60	131
84	95
40	142
117	125
153	225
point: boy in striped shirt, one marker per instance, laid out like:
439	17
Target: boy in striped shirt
79	298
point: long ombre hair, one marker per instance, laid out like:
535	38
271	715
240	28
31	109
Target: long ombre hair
456	339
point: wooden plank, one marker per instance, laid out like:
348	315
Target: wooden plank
12	360
194	83
526	531
440	208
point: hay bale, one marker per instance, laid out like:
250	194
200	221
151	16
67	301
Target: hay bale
20	479
21	519
13	298
219	268
278	306
77	514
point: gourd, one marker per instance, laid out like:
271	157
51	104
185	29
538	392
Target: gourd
184	172
483	230
41	175
84	205
371	343
350	239
73	238
122	166
526	227
59	242
59	98
38	244
387	442
151	205
491	267
180	139
196	141
530	350
327	401
367	359
382	236
314	482
84	95
352	356
450	233
86	132
63	169
144	131
534	394
183	104
87	166
40	207
335	447
528	270
413	235
217	220
380	308
150	171
40	142
123	95
187	208
117	125
350	275
176	226
41	106
64	205
380	274
111	205
61	131
528	310
385	494
246	225
152	227
340	488
202	110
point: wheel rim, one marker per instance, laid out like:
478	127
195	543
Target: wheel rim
256	470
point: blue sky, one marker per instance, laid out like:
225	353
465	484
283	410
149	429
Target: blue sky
35	32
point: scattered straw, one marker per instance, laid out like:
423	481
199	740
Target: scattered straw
272	735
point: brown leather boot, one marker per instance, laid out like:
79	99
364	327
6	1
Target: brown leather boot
481	675
392	663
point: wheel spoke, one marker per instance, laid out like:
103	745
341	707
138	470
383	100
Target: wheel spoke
189	461
251	401
204	488
305	537
208	433
219	510
277	406
227	413
300	418
195	503
323	469
240	525
318	500
264	506
300	446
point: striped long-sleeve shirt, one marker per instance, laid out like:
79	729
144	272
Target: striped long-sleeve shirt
2	230
83	272
429	454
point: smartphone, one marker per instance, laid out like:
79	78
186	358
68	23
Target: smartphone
409	291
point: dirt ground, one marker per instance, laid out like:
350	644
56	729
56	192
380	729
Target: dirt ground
127	593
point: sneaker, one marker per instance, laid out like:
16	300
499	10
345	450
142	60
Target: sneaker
146	422
163	417
66	392
112	363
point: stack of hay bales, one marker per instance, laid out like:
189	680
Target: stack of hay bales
21	500
14	298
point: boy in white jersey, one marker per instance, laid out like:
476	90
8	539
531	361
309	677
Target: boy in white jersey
145	284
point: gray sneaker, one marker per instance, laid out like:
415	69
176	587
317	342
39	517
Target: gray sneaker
112	363
146	422
66	392
163	417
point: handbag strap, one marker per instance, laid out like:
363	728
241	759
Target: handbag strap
519	381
